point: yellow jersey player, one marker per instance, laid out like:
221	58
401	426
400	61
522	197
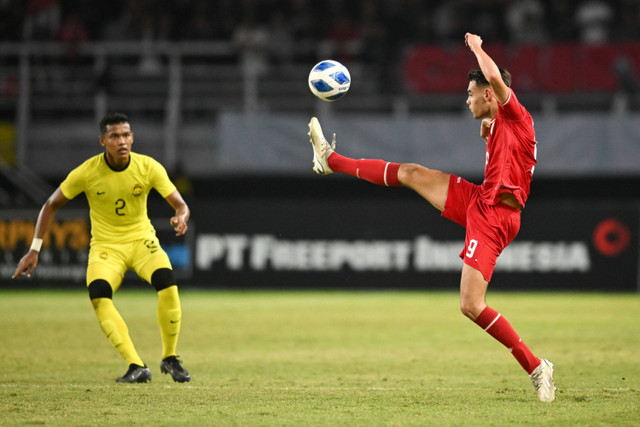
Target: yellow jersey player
117	184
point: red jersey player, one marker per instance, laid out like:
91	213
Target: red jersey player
490	212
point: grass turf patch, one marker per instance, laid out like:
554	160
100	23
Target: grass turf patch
321	358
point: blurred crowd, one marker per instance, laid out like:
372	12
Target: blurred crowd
294	27
264	33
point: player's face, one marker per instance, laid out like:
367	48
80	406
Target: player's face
477	100
117	141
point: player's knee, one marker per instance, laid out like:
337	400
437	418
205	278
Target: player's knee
465	310
162	278
408	173
100	289
414	175
470	308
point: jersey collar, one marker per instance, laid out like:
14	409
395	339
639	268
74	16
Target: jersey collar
114	169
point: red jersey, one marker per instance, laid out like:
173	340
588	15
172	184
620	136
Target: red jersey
511	153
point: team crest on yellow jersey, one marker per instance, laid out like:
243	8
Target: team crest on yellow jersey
137	190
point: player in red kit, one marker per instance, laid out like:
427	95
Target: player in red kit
490	212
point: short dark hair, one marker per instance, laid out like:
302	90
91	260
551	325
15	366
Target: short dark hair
112	119
478	77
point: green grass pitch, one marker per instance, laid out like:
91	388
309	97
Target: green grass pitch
321	358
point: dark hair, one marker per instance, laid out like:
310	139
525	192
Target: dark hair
112	119
477	76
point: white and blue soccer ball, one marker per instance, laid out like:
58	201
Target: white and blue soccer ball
329	80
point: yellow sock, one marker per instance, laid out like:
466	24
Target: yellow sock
115	329
169	318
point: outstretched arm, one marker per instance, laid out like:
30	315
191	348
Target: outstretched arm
179	221
489	68
45	218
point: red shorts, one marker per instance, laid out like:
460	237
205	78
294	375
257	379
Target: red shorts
490	228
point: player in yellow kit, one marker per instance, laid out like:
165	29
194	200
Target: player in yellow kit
117	184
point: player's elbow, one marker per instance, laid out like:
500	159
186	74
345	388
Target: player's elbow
51	206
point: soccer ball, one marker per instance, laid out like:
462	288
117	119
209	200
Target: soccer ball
329	80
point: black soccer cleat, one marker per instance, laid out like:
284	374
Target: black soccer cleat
136	374
171	365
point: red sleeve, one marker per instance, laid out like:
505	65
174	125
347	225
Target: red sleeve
512	109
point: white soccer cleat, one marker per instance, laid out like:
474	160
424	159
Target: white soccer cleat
321	148
542	379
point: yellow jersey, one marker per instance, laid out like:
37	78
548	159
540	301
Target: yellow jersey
118	199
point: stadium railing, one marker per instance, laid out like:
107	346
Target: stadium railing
174	82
